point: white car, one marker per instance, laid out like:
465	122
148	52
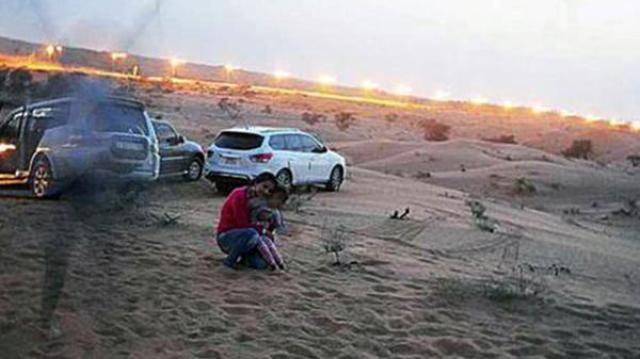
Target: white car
238	155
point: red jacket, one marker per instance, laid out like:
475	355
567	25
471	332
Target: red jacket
235	211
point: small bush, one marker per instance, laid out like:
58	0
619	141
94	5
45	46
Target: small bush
344	120
334	240
579	149
634	159
434	130
391	117
312	118
523	186
481	220
232	109
509	139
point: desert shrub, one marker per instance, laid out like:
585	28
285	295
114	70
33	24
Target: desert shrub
344	120
391	117
245	90
510	139
481	220
334	241
232	109
312	118
522	280
520	284
422	175
523	186
634	159
579	149
434	130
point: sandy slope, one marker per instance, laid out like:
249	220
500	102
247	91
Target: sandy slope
490	169
129	286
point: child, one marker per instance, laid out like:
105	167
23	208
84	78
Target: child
266	215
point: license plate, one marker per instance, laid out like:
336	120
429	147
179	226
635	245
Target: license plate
130	146
230	161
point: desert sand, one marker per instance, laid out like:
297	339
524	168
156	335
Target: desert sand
105	276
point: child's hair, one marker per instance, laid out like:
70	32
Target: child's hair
265	177
279	190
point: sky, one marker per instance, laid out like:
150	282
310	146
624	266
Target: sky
575	55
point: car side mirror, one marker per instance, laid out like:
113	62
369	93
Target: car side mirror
180	139
322	149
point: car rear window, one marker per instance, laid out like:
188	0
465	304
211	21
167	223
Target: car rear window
239	140
116	117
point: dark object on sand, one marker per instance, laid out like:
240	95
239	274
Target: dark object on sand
397	215
630	208
481	220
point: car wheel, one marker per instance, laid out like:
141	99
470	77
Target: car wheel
285	179
335	179
41	181
194	170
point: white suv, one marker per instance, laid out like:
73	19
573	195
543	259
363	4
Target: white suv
240	154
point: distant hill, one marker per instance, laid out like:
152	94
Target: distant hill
160	67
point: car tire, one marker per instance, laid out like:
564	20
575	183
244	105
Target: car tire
285	179
335	179
41	181
194	170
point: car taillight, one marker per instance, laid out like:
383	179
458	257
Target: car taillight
262	157
209	153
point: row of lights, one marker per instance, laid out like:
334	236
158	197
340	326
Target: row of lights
367	85
53	51
440	95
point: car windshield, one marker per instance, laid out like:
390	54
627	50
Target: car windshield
238	141
118	117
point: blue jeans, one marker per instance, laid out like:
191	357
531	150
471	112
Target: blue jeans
241	243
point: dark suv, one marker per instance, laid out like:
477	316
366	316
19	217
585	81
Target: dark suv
49	144
178	156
